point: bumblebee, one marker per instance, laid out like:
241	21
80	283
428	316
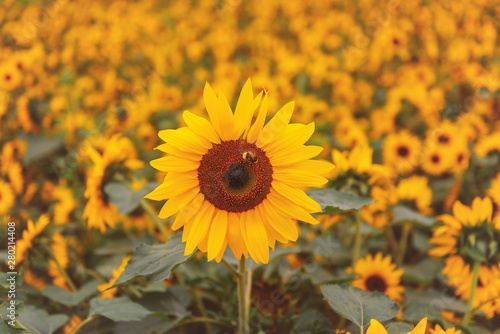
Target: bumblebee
249	156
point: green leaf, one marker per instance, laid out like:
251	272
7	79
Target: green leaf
118	309
359	306
125	199
154	263
333	201
38	321
70	298
424	272
5	319
399	328
39	147
404	214
310	321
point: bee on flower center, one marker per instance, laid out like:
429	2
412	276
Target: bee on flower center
250	156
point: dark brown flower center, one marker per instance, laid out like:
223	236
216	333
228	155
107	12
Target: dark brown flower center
7	77
435	158
443	139
403	151
376	283
235	175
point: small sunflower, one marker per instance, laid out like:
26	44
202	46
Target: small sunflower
236	183
378	273
7	197
401	151
468	227
415	189
439	330
436	161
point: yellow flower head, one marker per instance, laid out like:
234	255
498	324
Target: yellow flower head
402	151
378	273
236	183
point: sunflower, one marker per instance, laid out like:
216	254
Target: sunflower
401	151
7	197
439	330
415	189
29	234
378	273
436	161
487	144
377	328
459	276
468	227
116	273
236	183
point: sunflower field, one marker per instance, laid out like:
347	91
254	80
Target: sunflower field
232	166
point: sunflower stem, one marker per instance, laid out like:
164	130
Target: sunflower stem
147	207
475	276
403	242
244	290
61	269
358	239
231	268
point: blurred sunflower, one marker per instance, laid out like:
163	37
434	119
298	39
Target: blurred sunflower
377	328
415	189
7	197
439	330
236	183
29	234
436	161
378	273
401	151
468	228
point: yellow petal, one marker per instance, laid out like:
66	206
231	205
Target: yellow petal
282	224
420	328
174	164
318	167
185	140
226	119
201	126
300	154
256	237
173	150
294	136
219	256
244	112
276	125
234	237
255	105
169	190
187	212
259	122
217	234
376	328
300	179
288	207
200	228
176	203
297	196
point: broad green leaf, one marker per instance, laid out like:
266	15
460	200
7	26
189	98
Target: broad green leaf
118	309
125	199
404	214
399	328
359	306
70	298
38	321
333	201
154	263
424	272
474	254
5	319
310	322
39	147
